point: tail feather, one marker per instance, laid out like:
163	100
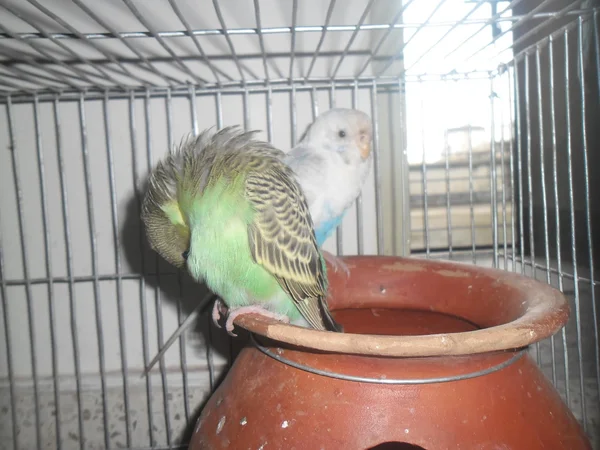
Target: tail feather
328	320
178	332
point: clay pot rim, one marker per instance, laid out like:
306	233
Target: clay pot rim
546	311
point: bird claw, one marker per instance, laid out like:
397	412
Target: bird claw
336	262
218	309
252	310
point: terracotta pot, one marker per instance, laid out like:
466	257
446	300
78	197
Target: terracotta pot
433	356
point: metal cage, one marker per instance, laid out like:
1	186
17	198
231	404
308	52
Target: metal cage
486	121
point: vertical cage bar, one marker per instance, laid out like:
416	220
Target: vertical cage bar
332	95
314	103
404	188
293	39
94	250
503	178
424	172
529	151
377	168
359	200
597	51
339	235
9	358
586	179
471	196
180	319
48	263
339	232
269	113
538	70
209	345
393	175
246	112
193	110
493	175
143	308
30	322
519	144
157	289
69	254
245	106
210	362
119	280
448	190
219	106
557	205
567	85
293	116
513	207
443	82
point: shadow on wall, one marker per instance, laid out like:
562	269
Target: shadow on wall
176	286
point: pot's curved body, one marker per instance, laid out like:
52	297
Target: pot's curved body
284	393
264	404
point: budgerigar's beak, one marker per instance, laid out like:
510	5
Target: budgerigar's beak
364	146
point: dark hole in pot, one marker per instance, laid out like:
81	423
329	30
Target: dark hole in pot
396	446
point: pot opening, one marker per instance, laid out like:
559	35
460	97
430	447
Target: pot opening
400	322
396	445
404	307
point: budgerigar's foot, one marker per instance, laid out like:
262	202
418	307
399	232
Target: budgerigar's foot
252	309
218	309
336	262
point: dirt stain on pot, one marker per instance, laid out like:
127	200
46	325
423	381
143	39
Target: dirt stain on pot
403	267
221	424
453	273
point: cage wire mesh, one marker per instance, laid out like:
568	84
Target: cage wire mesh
486	134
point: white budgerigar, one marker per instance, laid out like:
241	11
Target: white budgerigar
331	163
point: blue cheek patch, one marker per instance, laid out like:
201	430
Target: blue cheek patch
326	229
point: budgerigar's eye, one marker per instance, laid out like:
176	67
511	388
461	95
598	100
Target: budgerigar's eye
342	133
185	254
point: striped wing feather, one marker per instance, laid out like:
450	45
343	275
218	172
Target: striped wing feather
283	242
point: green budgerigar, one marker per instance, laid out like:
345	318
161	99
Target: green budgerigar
225	207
